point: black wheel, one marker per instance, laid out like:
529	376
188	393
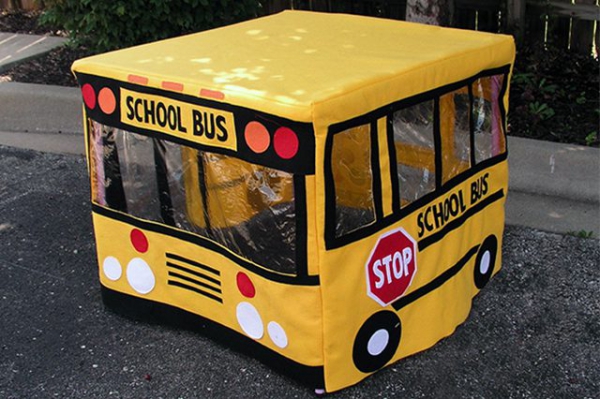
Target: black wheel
376	341
485	261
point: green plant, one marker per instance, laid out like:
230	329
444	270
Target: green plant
530	82
545	88
581	234
541	110
591	138
104	25
581	99
523	78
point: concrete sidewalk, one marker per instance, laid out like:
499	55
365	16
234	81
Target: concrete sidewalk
553	187
16	47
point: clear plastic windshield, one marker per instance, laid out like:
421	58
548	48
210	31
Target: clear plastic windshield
247	208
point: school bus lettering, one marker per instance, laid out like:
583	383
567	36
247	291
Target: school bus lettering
154	113
479	188
391	266
437	215
203	125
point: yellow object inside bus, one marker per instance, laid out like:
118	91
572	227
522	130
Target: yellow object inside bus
229	198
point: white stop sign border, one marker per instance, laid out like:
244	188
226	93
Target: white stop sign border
368	280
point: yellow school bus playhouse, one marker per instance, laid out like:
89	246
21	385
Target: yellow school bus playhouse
325	192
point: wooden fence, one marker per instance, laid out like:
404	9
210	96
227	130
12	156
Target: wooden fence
18	5
566	24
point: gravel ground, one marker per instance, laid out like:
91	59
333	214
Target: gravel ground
534	332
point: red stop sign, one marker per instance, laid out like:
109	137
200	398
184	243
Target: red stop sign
391	266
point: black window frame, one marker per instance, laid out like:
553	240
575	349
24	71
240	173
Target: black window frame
116	207
331	240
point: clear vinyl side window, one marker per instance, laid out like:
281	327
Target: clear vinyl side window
487	117
413	130
455	133
352	179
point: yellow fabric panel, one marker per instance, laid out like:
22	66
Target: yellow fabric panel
284	63
312	231
301	319
428	319
323	69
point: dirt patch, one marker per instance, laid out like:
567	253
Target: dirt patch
25	22
54	68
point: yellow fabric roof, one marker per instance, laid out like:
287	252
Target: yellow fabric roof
296	58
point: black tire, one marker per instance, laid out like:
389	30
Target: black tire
485	261
382	325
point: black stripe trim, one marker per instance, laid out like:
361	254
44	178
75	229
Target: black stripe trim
199	283
193	263
332	242
456	223
203	189
195	273
301	226
196	290
376	171
437	144
419	98
302	163
435	283
156	312
113	180
162	182
206	243
393	163
471	126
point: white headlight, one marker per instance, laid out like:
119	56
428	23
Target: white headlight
140	276
112	268
250	321
277	334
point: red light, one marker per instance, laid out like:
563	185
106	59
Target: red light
139	240
245	285
286	143
89	95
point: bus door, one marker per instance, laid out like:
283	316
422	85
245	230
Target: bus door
414	195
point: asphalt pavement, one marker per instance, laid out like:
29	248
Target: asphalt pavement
534	332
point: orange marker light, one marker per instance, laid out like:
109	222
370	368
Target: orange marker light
172	86
217	95
138	79
257	137
107	101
